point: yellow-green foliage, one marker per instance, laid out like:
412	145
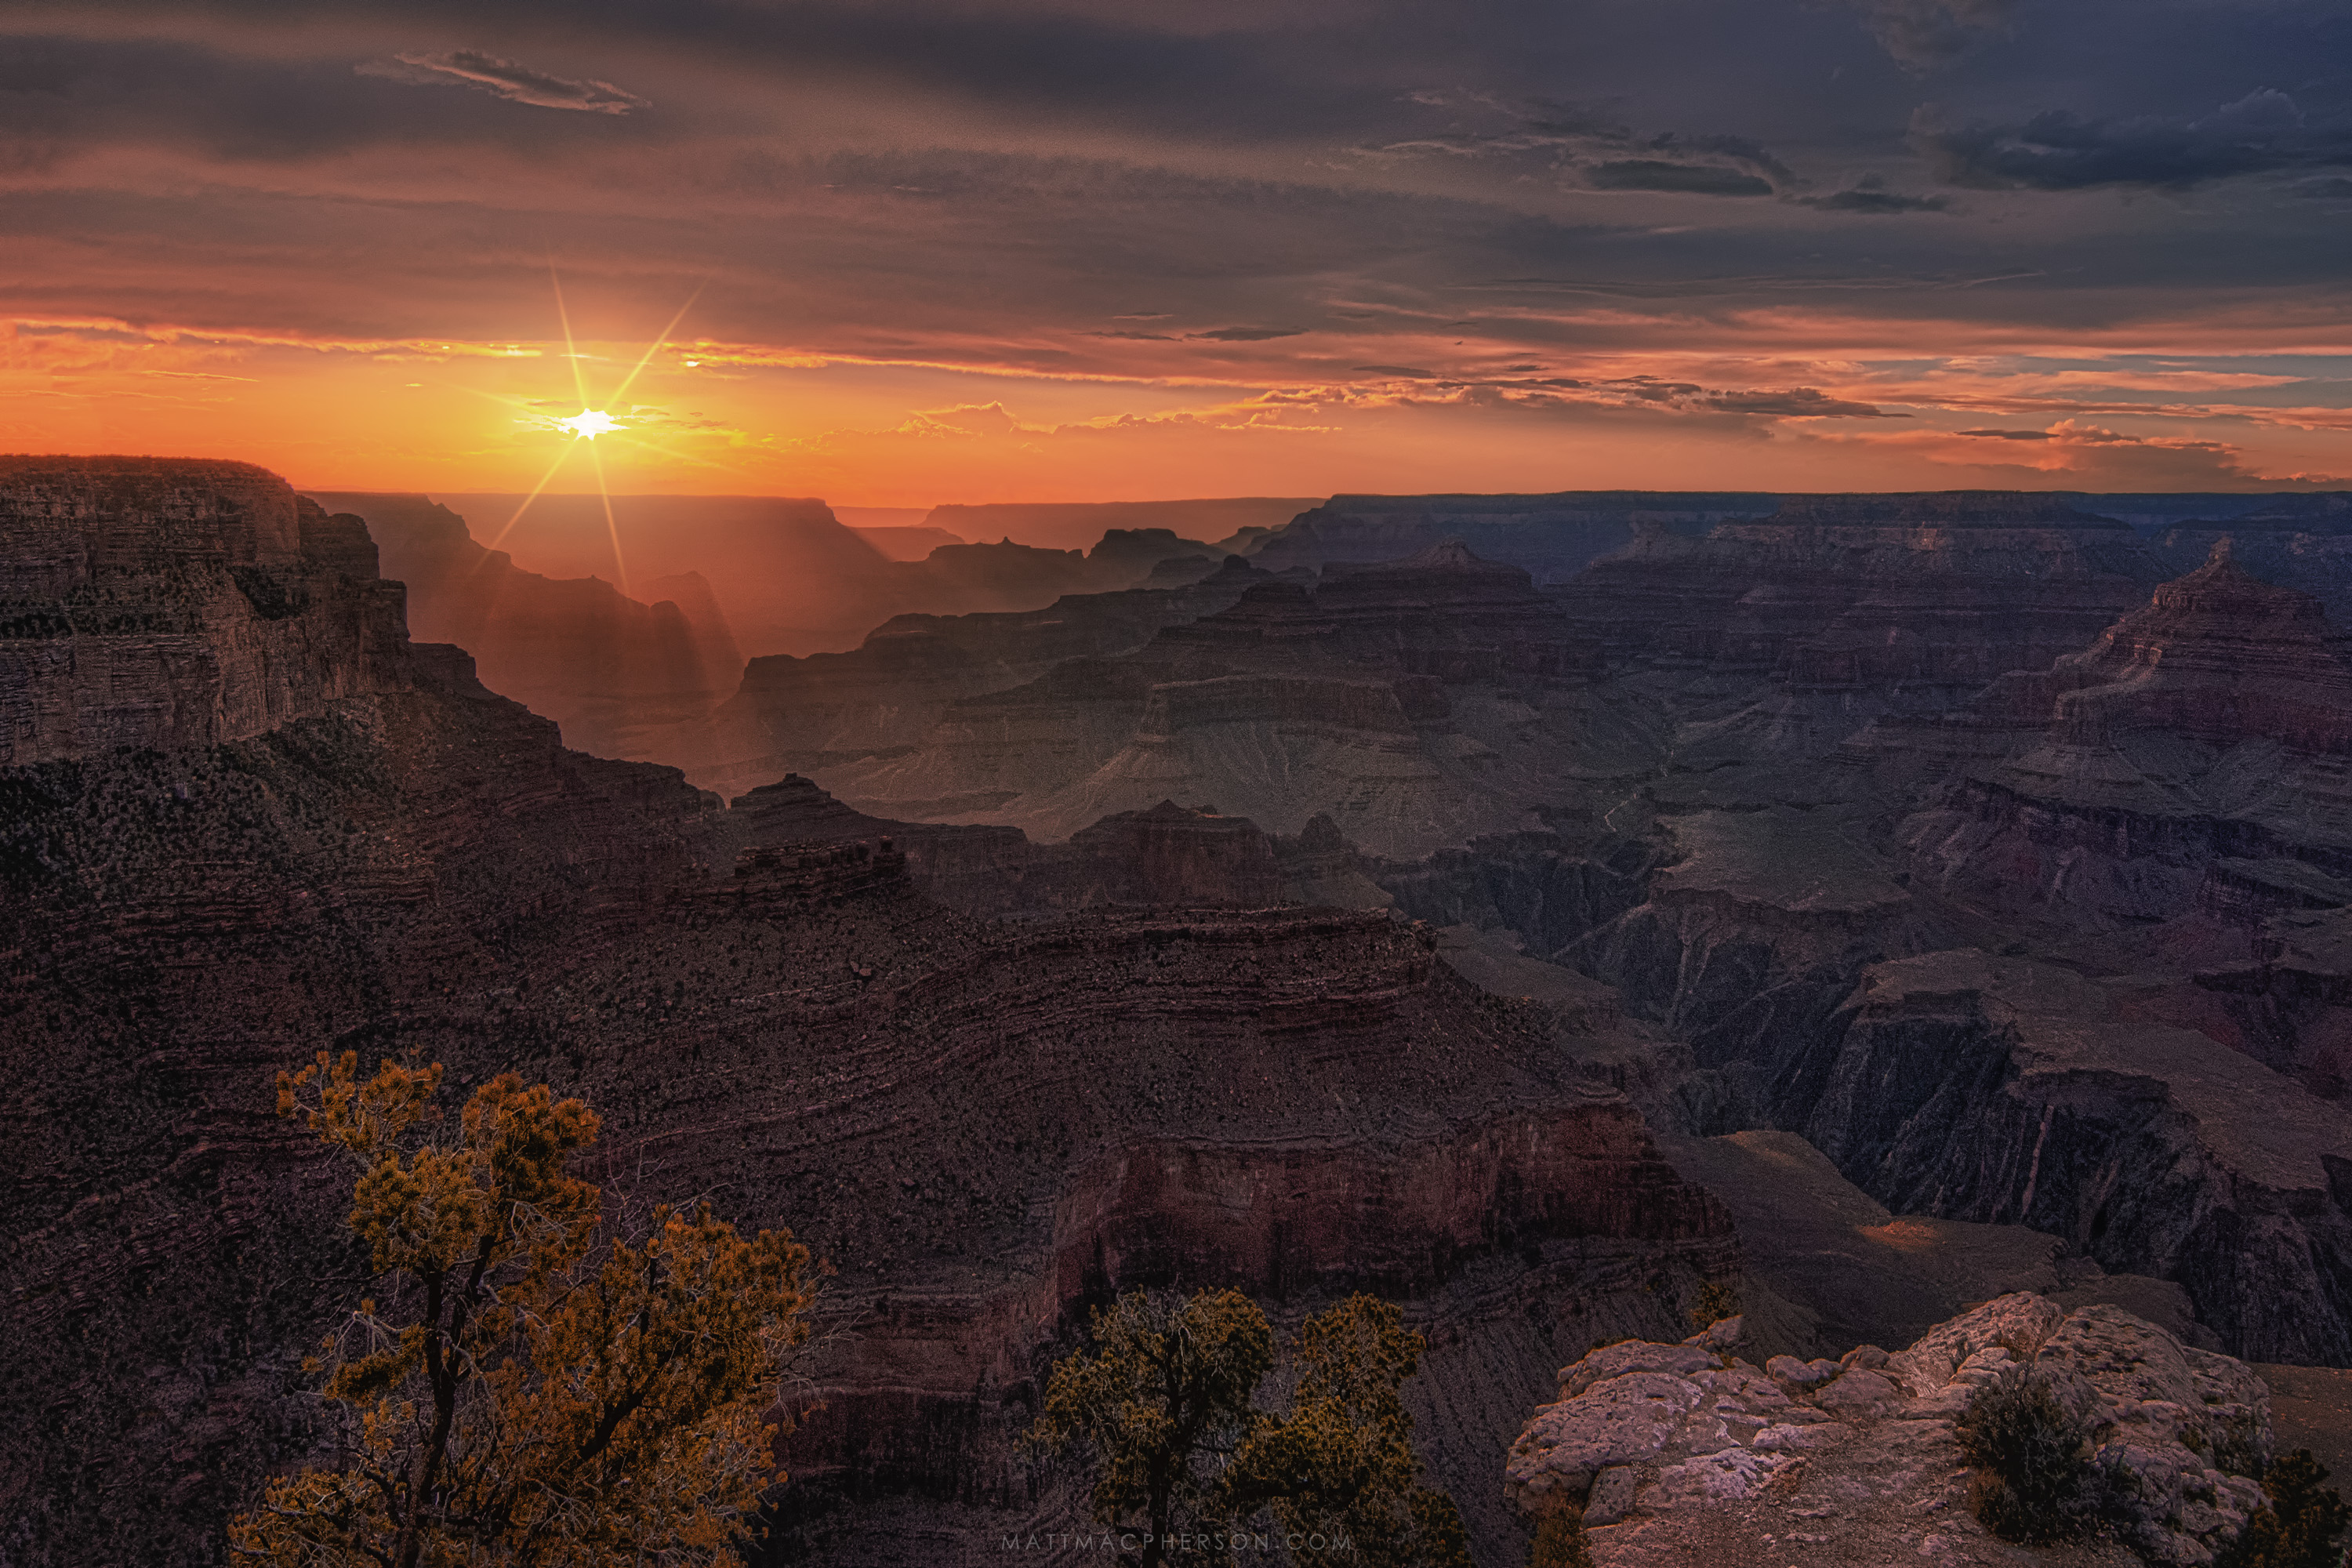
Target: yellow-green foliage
533	1390
1163	1405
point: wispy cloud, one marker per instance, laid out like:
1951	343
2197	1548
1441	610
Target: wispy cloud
505	79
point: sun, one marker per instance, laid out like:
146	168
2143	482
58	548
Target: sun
591	422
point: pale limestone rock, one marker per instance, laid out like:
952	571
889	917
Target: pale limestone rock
1802	1374
1683	1450
1613	1495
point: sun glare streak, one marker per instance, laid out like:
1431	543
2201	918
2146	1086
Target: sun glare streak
544	481
620	571
571	349
646	358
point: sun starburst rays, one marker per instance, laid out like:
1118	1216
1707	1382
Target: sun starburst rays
595	420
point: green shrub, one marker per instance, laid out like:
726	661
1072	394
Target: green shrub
2301	1527
1715	1302
2034	1480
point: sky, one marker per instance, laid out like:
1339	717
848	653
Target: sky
998	250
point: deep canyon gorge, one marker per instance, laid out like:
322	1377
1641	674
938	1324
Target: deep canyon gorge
1548	913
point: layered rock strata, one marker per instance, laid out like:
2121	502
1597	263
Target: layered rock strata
146	603
2194	756
1413	703
1912	600
882	700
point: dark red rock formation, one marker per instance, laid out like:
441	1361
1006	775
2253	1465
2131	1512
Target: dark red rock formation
2188	759
2217	656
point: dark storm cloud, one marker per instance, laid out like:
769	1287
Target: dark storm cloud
60	95
1684	179
1579	147
1869	196
505	79
2267	131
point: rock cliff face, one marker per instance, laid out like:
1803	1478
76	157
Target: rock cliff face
1685	1453
985	1127
149	603
1991	1090
1170	856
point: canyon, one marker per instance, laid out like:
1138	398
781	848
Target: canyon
1552	913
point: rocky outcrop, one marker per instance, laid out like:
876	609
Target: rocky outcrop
1685	1453
152	603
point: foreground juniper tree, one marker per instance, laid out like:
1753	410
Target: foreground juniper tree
1162	1405
1340	1463
529	1386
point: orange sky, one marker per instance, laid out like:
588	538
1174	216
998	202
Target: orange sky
748	419
1066	250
